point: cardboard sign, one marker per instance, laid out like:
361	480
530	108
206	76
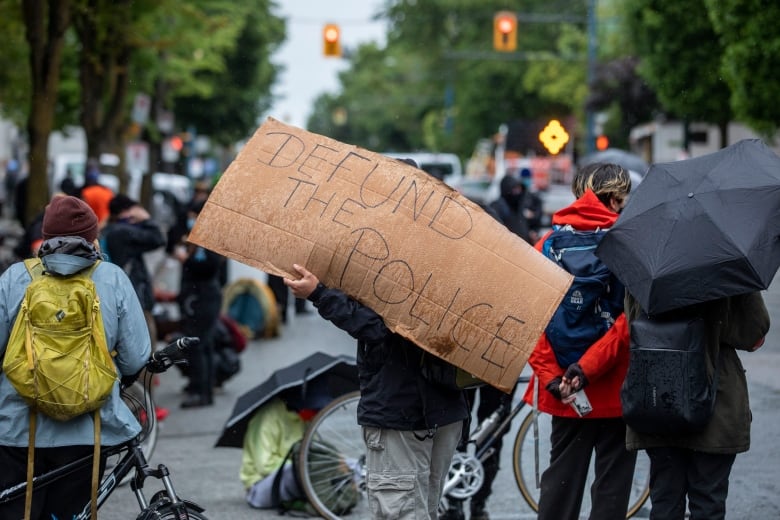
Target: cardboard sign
437	268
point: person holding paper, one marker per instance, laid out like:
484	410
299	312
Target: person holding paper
411	424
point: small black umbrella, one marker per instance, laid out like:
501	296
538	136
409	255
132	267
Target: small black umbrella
699	229
331	376
628	160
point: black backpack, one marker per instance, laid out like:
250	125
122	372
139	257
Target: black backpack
668	387
594	299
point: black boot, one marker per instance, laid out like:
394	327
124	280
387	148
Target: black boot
479	511
454	511
196	401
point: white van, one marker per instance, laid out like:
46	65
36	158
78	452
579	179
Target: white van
443	166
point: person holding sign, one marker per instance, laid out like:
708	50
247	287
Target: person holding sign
411	423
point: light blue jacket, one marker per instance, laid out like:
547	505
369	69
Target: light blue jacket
126	332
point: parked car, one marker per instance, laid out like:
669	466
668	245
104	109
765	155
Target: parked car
444	166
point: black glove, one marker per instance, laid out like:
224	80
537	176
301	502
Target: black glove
575	370
128	380
554	388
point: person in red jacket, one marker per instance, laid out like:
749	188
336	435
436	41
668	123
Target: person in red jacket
601	191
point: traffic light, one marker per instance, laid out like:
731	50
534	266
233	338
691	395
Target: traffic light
505	31
331	44
176	143
602	143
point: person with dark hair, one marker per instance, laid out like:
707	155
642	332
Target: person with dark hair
599	369
411	423
129	234
509	206
200	302
69	229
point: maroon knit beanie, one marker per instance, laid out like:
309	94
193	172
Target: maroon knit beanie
68	216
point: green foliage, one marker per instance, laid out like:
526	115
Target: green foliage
750	63
680	58
240	92
14	68
438	84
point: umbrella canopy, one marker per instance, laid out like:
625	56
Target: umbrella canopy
699	229
331	376
627	160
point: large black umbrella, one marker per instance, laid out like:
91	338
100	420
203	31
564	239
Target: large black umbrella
699	229
330	376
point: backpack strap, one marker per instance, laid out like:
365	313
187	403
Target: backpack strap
34	267
95	467
30	467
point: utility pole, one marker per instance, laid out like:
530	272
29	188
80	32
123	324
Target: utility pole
590	138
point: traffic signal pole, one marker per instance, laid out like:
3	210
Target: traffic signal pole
590	136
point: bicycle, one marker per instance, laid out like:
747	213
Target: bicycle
337	423
165	504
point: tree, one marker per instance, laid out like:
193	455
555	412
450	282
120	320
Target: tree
617	86
14	64
241	91
680	57
750	61
191	37
45	25
438	83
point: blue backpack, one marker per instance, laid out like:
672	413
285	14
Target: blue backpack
594	299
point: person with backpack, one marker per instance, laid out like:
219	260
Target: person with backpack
693	463
68	264
412	423
582	357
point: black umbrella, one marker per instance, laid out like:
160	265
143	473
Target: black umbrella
699	229
628	160
330	376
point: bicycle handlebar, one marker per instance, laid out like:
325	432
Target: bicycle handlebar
172	354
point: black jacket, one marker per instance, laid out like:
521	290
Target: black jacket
126	244
393	393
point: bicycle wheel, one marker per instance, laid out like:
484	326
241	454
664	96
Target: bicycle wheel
169	513
133	396
524	462
331	463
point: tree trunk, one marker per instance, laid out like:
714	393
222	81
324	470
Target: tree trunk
104	79
46	22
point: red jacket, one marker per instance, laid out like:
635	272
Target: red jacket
606	361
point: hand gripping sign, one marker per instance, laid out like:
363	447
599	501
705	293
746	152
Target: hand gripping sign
437	268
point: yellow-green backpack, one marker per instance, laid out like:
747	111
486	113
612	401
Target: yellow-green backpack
57	357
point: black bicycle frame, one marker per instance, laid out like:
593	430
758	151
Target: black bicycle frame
482	449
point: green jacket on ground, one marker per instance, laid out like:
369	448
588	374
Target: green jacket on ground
743	322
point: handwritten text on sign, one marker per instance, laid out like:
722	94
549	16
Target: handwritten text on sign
435	266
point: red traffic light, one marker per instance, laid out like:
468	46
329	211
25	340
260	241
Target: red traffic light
602	143
176	143
505	25
505	31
